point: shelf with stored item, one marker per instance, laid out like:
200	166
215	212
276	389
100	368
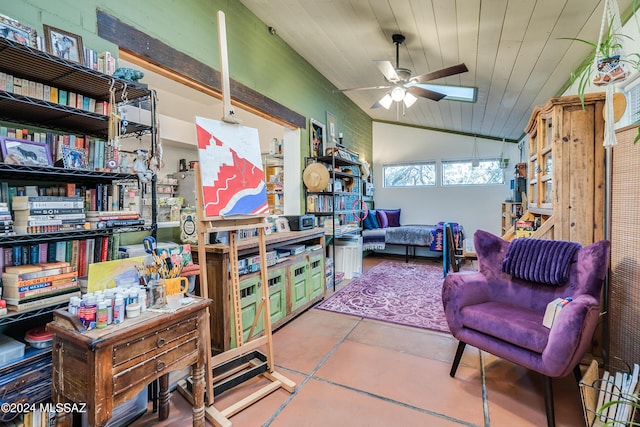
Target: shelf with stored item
295	283
60	140
511	211
274	180
565	169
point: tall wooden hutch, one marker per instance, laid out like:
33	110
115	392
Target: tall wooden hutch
566	169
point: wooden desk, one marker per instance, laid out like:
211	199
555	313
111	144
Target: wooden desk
106	367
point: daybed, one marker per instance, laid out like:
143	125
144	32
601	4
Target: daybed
383	231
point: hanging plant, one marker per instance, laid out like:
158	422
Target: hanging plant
611	65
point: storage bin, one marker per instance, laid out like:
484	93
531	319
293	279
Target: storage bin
348	257
10	349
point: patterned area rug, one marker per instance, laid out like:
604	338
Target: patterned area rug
397	292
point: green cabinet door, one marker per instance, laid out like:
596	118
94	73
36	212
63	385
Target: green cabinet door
316	273
250	295
277	294
298	280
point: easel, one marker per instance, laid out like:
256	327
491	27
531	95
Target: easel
233	367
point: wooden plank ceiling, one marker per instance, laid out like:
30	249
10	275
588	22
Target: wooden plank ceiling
513	49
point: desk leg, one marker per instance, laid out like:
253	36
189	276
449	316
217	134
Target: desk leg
198	394
164	397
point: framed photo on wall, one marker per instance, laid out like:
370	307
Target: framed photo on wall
11	29
316	138
24	152
63	44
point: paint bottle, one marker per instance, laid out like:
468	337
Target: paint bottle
101	316
118	310
109	302
90	309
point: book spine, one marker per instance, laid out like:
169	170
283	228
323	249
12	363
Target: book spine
104	253
24	306
38	281
56	211
52	287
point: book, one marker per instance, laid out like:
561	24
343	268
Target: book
46	202
54	287
524	228
102	225
32	305
33	283
17	301
54	211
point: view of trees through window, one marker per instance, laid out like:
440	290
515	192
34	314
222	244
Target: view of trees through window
410	175
454	172
462	172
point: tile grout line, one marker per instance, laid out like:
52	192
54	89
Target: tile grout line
399	403
309	376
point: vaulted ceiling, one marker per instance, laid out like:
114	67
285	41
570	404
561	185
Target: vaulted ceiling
514	50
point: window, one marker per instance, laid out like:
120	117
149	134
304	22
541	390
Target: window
462	172
409	174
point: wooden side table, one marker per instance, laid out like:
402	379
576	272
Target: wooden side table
106	367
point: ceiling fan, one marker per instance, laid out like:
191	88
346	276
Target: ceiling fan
406	88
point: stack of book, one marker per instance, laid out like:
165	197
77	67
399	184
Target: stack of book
30	286
48	214
6	221
99	220
617	396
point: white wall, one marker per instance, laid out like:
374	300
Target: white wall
474	207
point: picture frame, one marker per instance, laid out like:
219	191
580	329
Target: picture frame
317	138
63	44
74	158
11	29
332	130
23	152
282	225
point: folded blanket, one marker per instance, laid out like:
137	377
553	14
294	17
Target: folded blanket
374	239
540	261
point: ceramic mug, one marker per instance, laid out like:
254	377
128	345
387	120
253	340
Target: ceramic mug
177	285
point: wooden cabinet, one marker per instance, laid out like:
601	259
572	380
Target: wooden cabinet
106	367
566	169
511	211
294	284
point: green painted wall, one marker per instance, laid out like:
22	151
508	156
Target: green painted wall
256	58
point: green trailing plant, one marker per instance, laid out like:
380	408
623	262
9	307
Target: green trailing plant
610	46
614	423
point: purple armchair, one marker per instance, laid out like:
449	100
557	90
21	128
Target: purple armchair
501	313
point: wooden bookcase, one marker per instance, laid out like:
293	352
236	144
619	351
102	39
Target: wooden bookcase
566	169
511	211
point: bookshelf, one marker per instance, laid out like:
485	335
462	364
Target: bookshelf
48	121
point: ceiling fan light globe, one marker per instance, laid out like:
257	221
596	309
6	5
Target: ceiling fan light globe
409	100
386	101
397	94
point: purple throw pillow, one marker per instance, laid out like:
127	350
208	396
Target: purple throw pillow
382	218
393	216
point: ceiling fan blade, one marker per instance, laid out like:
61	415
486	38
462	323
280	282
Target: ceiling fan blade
425	93
361	88
387	70
445	72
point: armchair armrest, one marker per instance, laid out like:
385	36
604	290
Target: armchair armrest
570	336
460	290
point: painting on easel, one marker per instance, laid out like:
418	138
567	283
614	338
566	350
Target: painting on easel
231	169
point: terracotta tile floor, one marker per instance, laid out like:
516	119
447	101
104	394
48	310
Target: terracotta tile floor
356	372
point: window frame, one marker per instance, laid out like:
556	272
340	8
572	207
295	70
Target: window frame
495	159
434	163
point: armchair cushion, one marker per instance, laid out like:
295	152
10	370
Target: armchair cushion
540	261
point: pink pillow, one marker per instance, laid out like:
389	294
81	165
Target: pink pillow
382	218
